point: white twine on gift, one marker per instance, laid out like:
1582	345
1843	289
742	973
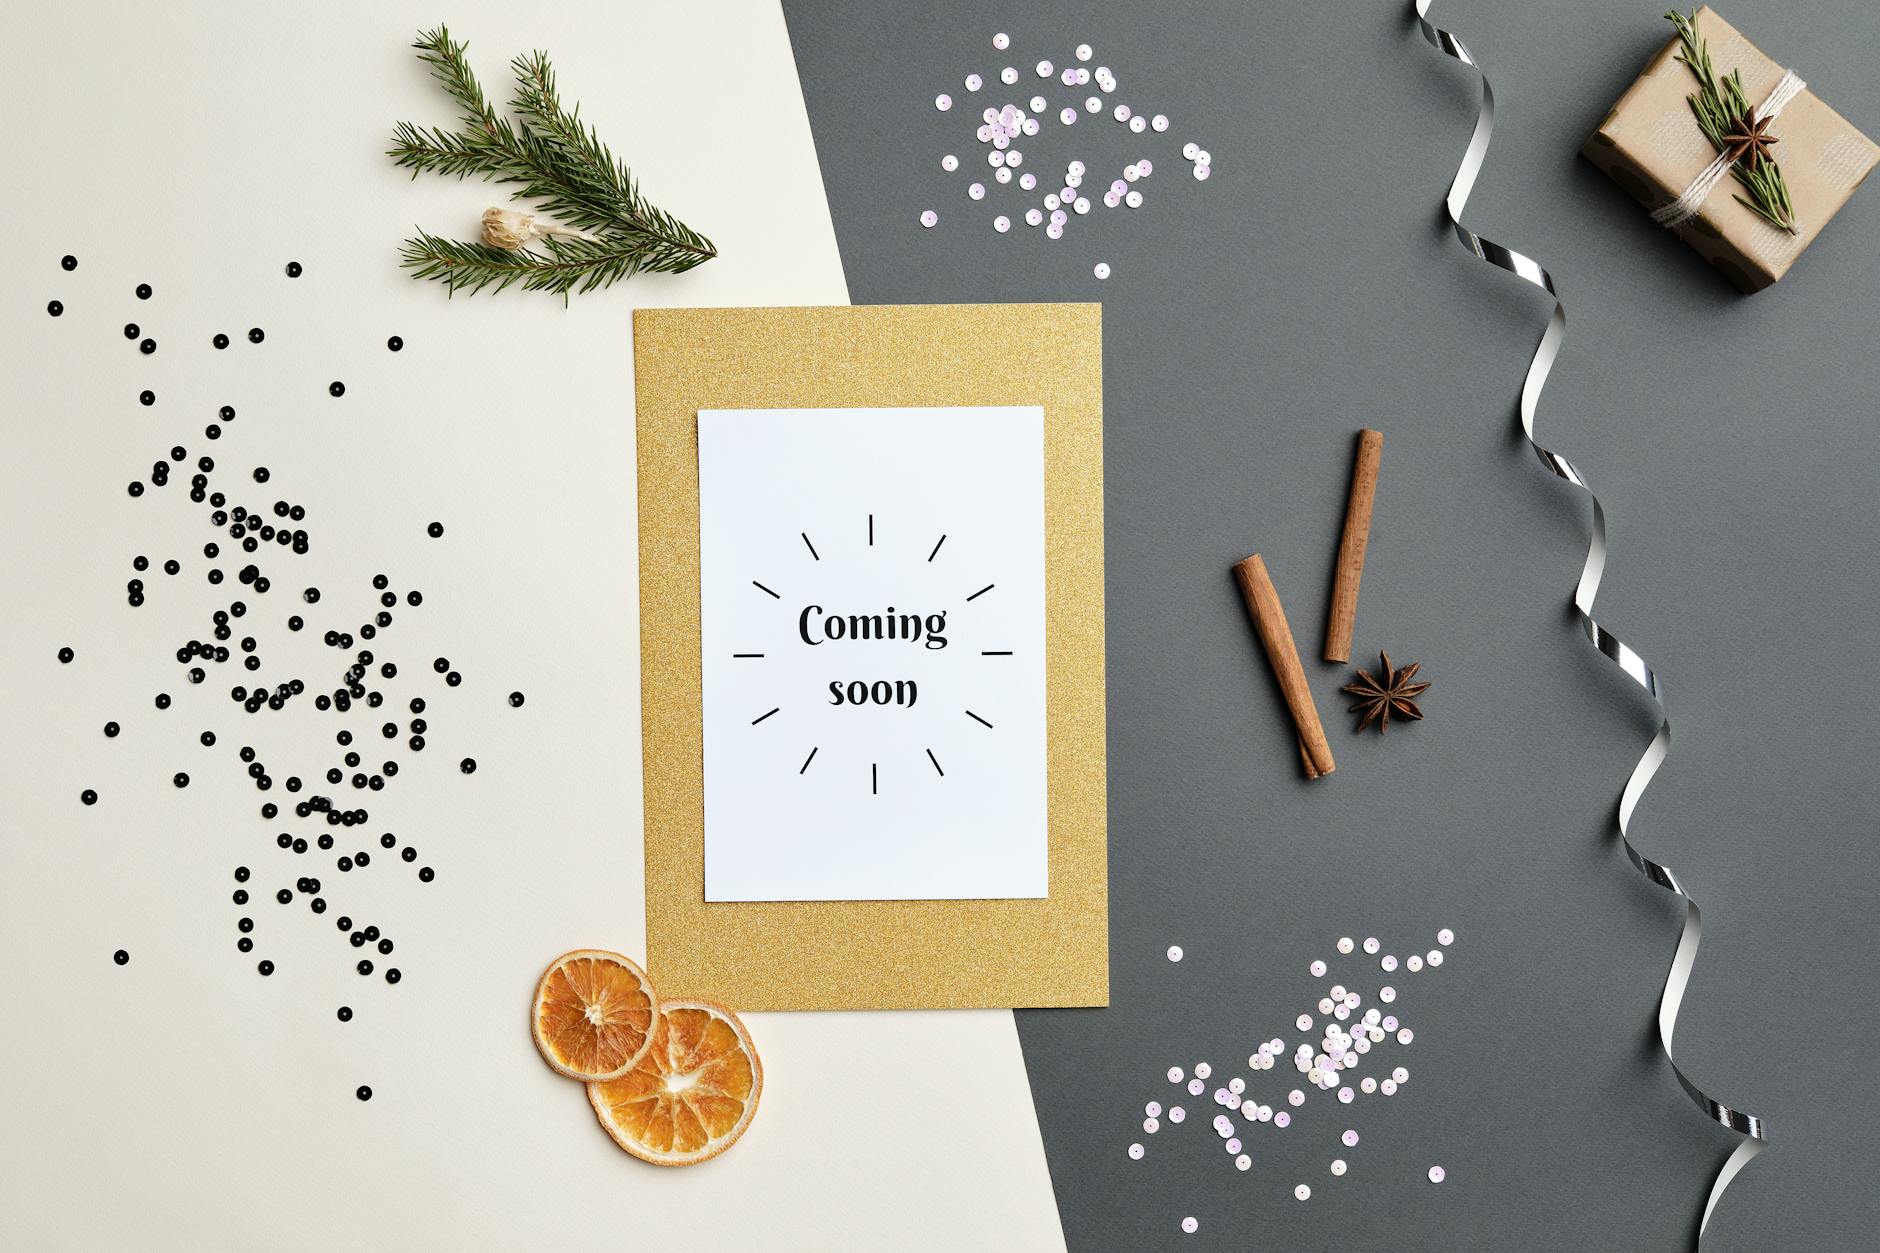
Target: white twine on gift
1686	207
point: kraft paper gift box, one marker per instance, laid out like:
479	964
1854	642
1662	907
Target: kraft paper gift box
1650	144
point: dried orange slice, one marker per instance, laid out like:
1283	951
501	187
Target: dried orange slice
692	1095
594	1014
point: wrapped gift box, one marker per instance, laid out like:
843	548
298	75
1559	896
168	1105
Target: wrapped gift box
1651	145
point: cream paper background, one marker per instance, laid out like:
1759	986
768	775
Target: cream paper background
182	1102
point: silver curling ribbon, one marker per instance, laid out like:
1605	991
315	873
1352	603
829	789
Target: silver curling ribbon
1752	1128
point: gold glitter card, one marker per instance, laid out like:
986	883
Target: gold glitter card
874	954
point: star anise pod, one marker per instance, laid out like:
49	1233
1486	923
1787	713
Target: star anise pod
1395	694
1748	140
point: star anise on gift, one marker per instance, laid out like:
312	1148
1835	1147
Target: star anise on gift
1393	694
1748	140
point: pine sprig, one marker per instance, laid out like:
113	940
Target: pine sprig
547	155
1719	107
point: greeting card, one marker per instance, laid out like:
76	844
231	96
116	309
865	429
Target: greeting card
873	640
872	655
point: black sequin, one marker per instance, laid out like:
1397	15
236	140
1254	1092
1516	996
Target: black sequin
143	291
266	967
395	343
163	700
345	1013
220	341
515	700
293	269
364	1093
392	975
146	398
365	966
426	875
55	308
147	347
120	957
468	765
70	262
110	730
132	330
336	388
284	896
256	335
66	654
181	779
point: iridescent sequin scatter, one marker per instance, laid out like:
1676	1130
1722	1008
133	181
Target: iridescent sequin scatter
1350	1050
1677	978
1011	129
360	716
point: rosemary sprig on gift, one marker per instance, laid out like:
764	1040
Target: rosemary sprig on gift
1729	122
607	230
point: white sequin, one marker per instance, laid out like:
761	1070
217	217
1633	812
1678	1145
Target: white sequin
1350	1138
949	163
1345	944
1370	942
1317	969
1302	1192
1188	153
1338	1166
1159	121
1388	1087
1281	1119
1367	1085
1303	1022
974	82
1387	962
1137	124
1001	41
1438	1174
1196	1087
1151	1125
1434	957
1243	1161
1201	172
1033	217
1445	936
1236	1085
1174	952
1133	200
1008	76
1038	104
1082	205
1002	175
1405	1036
1120	113
1190	1226
1174	1074
1178	1114
1067	116
1135	1152
1093	105
1387	994
1295	1098
1054	231
1028	180
1413	963
928	217
977	191
1401	1075
943	102
1044	69
1084	52
1203	1070
1345	1095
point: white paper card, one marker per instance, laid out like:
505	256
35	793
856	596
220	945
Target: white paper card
872	614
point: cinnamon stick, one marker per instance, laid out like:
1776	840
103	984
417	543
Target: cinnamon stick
1269	619
1351	545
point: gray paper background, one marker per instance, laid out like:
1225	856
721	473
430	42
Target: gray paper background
1253	323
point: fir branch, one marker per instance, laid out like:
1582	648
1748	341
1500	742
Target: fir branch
547	155
1719	107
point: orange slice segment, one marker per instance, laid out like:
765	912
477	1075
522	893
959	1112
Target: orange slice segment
692	1095
594	1014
